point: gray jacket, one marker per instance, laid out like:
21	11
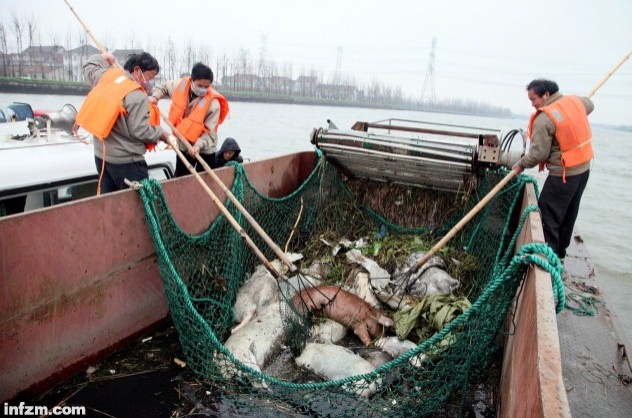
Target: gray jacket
126	141
544	145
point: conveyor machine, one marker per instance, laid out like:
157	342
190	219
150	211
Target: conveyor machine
433	155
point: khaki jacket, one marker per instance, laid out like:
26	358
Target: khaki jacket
544	145
126	141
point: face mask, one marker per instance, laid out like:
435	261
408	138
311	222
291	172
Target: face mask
147	85
198	91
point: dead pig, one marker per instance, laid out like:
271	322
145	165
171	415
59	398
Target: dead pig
343	307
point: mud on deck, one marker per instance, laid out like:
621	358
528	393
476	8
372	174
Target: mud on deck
596	375
145	380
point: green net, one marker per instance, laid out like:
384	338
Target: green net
202	275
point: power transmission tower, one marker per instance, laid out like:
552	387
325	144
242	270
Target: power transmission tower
263	63
429	82
338	74
263	52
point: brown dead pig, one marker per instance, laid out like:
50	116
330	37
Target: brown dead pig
343	307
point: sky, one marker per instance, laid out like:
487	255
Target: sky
486	50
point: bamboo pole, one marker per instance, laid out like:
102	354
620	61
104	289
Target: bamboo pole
480	205
226	213
607	76
279	253
214	198
493	192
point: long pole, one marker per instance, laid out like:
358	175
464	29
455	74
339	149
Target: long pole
493	192
607	76
279	253
226	213
214	198
480	205
277	250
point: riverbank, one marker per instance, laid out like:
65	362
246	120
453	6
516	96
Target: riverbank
37	86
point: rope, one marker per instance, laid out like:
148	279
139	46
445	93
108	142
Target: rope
552	264
102	169
581	304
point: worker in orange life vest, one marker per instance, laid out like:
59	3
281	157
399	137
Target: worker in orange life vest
117	113
196	111
561	141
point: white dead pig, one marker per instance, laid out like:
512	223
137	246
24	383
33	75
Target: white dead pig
392	290
437	281
327	332
373	355
334	362
430	279
258	291
255	343
377	274
381	283
361	287
396	347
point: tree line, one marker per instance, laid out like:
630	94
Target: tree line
25	54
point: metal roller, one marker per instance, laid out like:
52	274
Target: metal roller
437	156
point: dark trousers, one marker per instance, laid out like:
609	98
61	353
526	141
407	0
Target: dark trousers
115	174
182	170
559	206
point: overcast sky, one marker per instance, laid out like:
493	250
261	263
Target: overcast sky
486	50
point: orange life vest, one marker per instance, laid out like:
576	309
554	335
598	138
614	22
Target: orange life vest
104	104
572	131
192	126
154	119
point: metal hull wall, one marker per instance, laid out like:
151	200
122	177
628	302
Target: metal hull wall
532	384
77	280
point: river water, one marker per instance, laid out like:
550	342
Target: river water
605	218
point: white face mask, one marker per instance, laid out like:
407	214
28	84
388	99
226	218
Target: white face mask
198	91
147	85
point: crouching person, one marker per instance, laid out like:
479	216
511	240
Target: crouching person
229	151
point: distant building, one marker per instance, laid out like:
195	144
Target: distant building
281	85
43	62
55	63
336	92
242	82
74	60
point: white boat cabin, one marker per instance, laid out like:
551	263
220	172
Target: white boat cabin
43	164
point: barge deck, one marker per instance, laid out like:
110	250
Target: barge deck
597	375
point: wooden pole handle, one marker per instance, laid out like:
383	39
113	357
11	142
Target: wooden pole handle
277	250
214	198
607	76
496	189
456	228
